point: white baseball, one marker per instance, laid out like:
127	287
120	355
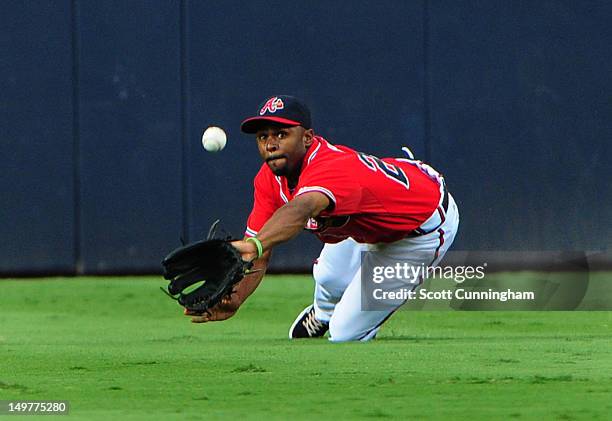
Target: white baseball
214	139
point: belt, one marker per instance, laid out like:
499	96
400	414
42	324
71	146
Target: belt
436	219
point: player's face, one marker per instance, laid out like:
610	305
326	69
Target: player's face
283	148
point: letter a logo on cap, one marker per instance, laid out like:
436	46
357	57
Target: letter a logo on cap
273	104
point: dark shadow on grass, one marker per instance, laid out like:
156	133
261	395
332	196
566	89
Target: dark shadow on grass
12	386
536	379
183	338
142	363
251	368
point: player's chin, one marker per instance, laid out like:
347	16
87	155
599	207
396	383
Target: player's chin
278	166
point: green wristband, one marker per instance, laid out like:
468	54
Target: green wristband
257	244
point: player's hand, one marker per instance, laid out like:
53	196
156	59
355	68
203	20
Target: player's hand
226	308
247	249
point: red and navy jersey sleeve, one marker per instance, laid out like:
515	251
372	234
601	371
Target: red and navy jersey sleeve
265	201
327	173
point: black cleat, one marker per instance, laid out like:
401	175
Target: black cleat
307	326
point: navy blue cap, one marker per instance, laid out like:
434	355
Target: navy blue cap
284	110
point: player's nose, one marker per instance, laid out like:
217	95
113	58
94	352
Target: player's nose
271	144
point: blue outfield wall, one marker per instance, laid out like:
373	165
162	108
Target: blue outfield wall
129	133
37	191
521	120
102	106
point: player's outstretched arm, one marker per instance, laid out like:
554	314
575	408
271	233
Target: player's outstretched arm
286	223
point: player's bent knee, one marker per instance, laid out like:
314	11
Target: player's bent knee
323	276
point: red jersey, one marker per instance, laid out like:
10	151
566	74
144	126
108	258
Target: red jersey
372	200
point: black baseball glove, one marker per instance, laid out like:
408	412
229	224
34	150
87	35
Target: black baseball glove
201	274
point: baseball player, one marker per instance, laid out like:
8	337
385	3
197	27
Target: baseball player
396	208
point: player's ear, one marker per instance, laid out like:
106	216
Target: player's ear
308	137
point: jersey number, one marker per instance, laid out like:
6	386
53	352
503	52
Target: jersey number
390	171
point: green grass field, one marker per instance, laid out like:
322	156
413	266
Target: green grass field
117	348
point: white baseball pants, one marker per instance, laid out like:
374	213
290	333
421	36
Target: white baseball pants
337	275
